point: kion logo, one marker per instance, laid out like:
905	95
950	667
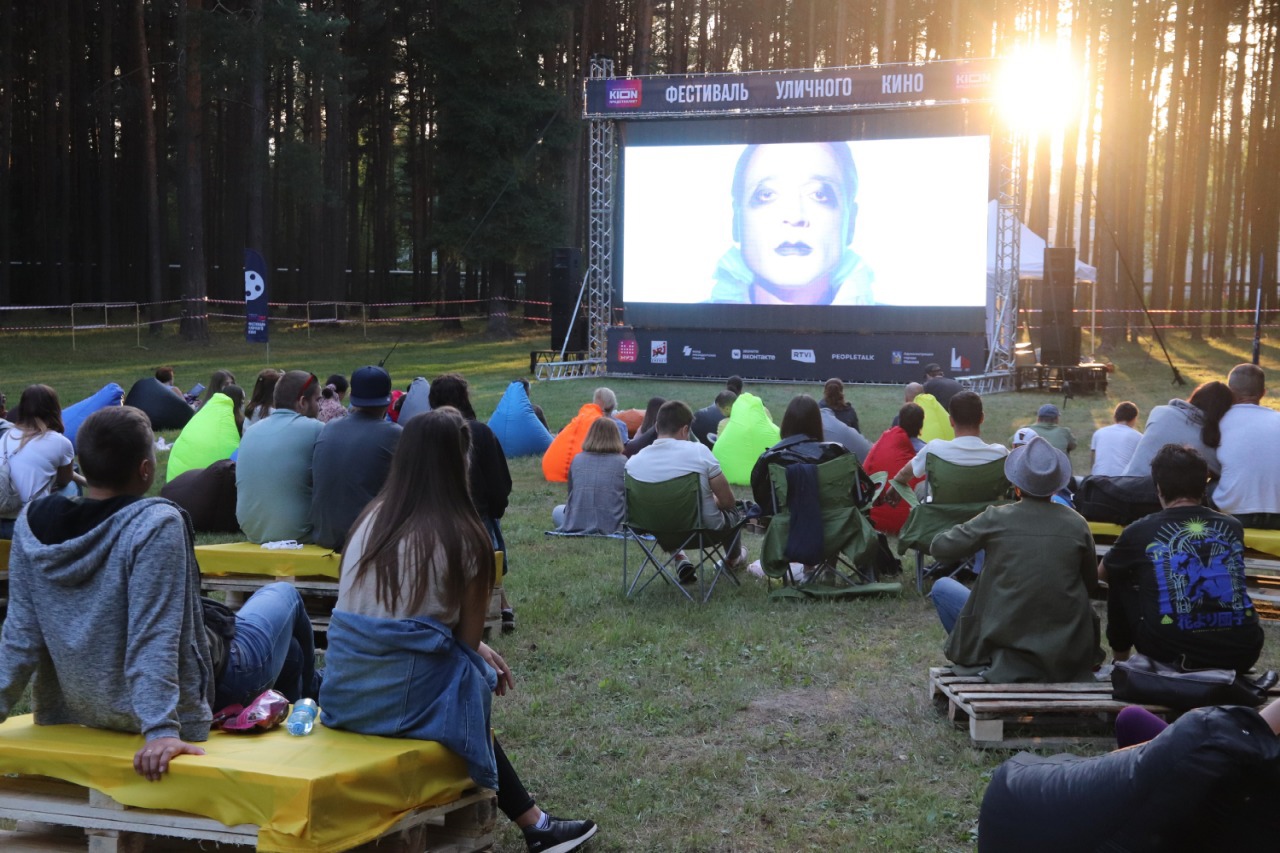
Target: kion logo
623	94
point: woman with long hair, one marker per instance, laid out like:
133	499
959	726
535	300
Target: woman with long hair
489	476
219	380
39	454
648	432
264	389
802	441
405	656
597	484
1193	422
833	399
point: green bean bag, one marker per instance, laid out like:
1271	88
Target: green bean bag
937	421
210	436
744	435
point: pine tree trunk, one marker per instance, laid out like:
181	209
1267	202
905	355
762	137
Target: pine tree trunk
195	321
155	236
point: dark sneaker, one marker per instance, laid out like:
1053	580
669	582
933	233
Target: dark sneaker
687	574
559	836
508	621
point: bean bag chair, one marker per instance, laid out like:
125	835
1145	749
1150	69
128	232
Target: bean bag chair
567	443
165	408
208	495
110	394
937	421
633	418
394	412
1208	782
888	456
744	435
516	426
415	402
209	436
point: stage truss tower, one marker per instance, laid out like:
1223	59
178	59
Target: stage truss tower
1000	364
602	171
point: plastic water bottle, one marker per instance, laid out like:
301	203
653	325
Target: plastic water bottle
303	718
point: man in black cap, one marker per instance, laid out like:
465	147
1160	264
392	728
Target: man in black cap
352	458
940	385
1028	617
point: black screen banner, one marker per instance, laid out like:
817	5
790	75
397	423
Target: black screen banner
875	358
807	90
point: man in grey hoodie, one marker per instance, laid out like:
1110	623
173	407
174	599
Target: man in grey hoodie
105	610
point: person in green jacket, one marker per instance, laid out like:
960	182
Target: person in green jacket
1028	617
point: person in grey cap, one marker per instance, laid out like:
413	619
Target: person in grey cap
352	458
1048	428
1028	617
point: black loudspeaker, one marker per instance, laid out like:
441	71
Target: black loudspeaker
1059	337
566	281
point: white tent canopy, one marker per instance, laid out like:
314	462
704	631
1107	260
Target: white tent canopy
1031	251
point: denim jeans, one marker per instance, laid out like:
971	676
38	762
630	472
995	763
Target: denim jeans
948	598
273	647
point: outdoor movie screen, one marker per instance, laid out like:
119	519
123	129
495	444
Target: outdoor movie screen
868	222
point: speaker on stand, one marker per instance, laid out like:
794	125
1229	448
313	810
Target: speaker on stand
1058	336
566	281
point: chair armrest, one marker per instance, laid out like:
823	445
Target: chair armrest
907	493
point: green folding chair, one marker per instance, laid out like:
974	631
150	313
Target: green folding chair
956	493
848	539
671	512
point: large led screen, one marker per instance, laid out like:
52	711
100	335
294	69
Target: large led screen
871	222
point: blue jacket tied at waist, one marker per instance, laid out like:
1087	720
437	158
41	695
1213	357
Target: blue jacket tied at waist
410	678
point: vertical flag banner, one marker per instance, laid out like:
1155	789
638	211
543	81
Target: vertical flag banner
255	298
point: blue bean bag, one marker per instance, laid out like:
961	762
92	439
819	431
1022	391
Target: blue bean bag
165	409
415	402
518	429
110	394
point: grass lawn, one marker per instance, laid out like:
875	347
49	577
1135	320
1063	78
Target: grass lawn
744	725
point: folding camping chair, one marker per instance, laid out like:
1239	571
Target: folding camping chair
956	493
671	512
843	567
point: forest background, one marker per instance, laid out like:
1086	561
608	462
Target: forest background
388	151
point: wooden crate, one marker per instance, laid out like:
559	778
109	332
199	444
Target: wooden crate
1022	716
53	815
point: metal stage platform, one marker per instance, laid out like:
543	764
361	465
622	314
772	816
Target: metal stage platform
1078	379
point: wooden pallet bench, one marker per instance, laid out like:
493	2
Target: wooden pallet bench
1030	716
1039	715
72	788
239	569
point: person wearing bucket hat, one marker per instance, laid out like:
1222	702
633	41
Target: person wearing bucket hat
1028	617
352	458
1048	428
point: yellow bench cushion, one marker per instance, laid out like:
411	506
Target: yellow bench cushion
1263	541
246	558
326	792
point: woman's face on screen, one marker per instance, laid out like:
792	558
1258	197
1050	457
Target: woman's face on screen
793	215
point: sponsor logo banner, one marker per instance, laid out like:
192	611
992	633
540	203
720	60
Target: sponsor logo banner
888	357
793	90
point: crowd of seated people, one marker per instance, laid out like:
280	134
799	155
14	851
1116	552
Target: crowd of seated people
1026	616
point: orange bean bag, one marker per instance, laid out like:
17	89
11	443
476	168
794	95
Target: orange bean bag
567	443
632	418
